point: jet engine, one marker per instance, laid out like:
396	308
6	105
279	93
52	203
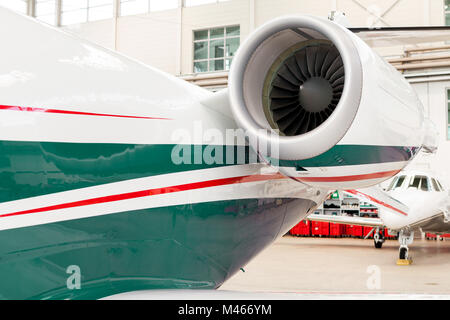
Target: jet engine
313	89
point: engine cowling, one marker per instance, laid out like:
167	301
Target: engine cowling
319	94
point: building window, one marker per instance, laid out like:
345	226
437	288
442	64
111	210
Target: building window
15	5
448	114
129	7
46	10
78	11
214	49
447	12
191	3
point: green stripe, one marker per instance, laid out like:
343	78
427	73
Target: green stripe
29	169
348	155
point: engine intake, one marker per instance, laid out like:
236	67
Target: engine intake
301	77
304	86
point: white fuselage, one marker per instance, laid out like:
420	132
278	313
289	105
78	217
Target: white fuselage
423	205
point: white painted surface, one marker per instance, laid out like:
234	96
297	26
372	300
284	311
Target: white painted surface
236	295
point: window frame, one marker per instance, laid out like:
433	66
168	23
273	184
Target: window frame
22	2
204	4
392	184
403	178
435	185
87	8
208	41
149	8
446	13
125	1
419	186
412	180
53	14
427	179
447	103
440	185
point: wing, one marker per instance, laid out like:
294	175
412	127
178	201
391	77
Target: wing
373	195
358	221
379	198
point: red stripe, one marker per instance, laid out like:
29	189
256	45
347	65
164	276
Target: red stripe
356	193
28	109
150	192
350	178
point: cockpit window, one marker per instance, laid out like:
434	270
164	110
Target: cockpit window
424	184
396	183
435	185
419	182
440	185
400	182
392	184
414	183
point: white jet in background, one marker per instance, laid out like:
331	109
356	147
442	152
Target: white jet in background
414	201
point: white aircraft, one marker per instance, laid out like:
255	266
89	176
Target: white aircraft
117	177
414	201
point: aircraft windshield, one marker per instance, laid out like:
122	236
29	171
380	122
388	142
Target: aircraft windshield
440	185
424	184
391	185
419	182
435	185
400	182
397	183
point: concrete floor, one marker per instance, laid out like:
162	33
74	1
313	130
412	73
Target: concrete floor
344	265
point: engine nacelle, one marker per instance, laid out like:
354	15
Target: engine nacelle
339	114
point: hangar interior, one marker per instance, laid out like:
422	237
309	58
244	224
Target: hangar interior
196	40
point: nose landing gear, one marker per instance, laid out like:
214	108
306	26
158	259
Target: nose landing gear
405	238
378	238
